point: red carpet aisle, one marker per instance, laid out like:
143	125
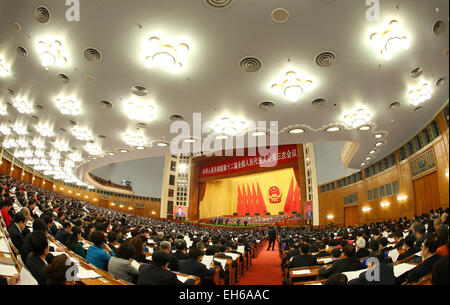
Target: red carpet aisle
265	269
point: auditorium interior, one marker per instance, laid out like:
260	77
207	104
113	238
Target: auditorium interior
224	142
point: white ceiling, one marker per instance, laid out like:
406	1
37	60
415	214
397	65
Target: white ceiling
212	82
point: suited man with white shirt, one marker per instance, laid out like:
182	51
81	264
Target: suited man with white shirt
35	261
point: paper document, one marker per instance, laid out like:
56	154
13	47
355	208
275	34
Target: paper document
207	259
150	250
315	284
87	274
4	246
8	270
56	253
325	260
135	264
394	255
26	278
182	278
234	256
241	249
402	268
353	274
391	240
299	272
189	243
223	262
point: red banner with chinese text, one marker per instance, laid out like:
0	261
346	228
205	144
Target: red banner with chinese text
284	154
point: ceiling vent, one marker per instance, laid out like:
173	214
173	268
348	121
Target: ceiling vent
11	91
92	55
250	64
319	102
325	59
280	15
17	27
266	105
41	14
62	130
106	104
63	78
394	105
39	107
417	109
439	27
90	79
218	3
21	51
73	123
415	73
139	90
102	136
440	81
176	117
141	125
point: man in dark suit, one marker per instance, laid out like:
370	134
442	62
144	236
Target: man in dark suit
158	273
272	237
63	234
36	260
349	263
303	260
290	254
429	258
386	272
419	231
15	230
193	265
38	225
322	252
399	240
179	254
410	247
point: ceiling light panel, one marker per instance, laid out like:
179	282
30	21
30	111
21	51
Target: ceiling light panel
390	40
3	109
4	68
19	128
61	146
357	118
292	86
5	130
76	157
22	105
9	143
22	142
93	149
420	94
161	52
81	133
134	139
230	126
52	53
140	110
38	143
68	105
44	130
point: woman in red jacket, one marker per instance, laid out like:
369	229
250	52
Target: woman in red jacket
6	207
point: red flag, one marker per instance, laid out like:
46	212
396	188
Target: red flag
255	200
289	200
239	204
250	201
297	202
261	203
244	201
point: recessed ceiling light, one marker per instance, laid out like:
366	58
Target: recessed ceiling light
189	140
378	136
333	129
134	139
258	133
364	163
357	117
140	110
111	153
368	158
22	105
140	147
82	134
68	105
364	128
420	94
372	151
296	130
221	137
123	150
52	52
378	144
93	149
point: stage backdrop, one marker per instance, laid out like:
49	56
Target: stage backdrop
275	191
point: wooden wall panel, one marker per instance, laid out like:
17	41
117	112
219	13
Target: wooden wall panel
426	191
351	215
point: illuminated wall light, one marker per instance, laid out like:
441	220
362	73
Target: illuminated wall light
357	117
446	173
44	130
19	128
366	209
22	105
4	68
134	139
165	54
121	206
81	133
86	197
390	40
402	197
61	188
292	86
95	199
364	128
52	52
153	212
113	204
419	94
130	208
258	134
384	203
5	130
70	192
372	151
68	105
330	216
140	110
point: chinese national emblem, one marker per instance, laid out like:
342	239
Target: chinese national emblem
274	194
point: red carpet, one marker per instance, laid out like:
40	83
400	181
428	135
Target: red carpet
265	269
